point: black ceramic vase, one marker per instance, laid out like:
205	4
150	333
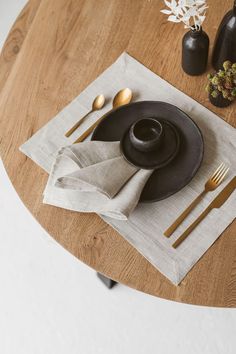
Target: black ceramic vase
219	101
195	47
225	42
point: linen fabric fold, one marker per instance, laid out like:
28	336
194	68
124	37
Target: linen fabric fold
94	177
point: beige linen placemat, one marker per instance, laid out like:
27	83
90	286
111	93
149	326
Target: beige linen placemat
144	229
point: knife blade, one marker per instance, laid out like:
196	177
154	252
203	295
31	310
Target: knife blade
221	198
217	202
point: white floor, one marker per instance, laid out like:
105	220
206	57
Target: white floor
50	303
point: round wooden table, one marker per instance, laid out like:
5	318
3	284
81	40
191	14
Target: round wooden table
54	50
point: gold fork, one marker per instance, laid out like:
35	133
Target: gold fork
213	182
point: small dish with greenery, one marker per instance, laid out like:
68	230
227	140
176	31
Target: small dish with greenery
222	85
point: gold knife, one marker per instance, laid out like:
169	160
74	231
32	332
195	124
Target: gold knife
216	203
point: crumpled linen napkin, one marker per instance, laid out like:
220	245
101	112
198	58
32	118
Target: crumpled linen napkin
93	176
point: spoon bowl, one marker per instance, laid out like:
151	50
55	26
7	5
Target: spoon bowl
98	102
122	97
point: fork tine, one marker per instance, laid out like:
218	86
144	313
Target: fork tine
222	176
220	173
217	170
223	167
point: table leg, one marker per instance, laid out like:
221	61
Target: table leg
107	281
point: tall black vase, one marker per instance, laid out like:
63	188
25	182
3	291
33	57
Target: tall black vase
195	47
225	42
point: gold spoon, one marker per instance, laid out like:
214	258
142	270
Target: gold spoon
98	103
121	98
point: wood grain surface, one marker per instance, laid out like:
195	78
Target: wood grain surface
54	50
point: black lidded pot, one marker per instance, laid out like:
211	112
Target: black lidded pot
195	47
225	42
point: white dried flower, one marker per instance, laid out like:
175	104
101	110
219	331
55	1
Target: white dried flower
191	12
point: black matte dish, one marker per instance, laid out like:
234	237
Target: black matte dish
146	134
155	159
171	178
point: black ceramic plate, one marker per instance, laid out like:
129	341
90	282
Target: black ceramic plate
154	159
174	176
